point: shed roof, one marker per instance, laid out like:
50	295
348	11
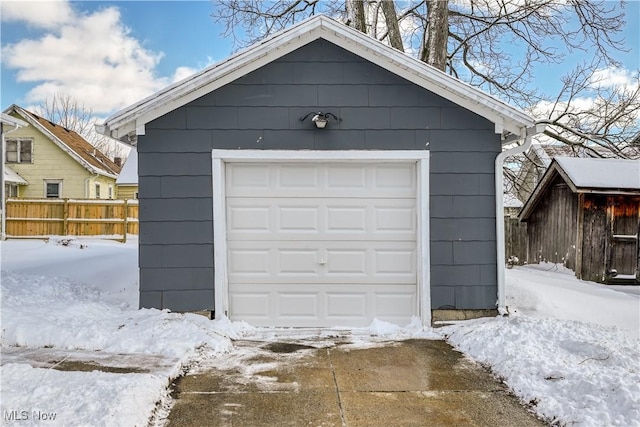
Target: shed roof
601	173
72	143
506	118
588	175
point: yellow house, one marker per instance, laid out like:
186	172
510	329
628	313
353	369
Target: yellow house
56	162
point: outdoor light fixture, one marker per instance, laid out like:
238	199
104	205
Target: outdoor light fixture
319	119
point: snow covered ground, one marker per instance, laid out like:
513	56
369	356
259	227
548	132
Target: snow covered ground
570	349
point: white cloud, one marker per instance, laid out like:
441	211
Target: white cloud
40	14
91	57
614	77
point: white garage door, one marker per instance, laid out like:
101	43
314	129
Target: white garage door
321	244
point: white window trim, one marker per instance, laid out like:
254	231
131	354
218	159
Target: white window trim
19	143
221	157
53	181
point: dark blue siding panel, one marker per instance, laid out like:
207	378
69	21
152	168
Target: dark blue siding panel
462	184
213	117
463	229
339	140
183	141
443	297
187	256
186	187
345	95
173	279
459	118
474	252
181	164
176	233
262	110
150	299
476	297
189	300
176	119
414	118
399	139
474	206
177	209
441	253
150	256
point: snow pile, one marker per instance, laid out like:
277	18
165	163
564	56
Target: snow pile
570	349
40	311
81	298
568	371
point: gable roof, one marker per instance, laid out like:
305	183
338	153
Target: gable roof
588	175
72	143
506	118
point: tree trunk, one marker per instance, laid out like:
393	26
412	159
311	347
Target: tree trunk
355	15
391	19
434	51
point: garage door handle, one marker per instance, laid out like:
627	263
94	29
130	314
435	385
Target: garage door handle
322	262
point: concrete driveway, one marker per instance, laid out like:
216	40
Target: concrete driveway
320	383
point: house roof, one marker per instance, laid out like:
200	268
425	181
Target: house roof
72	143
11	122
13	177
129	173
588	175
506	118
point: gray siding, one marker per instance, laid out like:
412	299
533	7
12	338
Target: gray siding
261	110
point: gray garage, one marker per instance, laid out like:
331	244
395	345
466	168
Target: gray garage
316	179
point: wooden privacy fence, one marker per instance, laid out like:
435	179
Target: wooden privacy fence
515	240
71	217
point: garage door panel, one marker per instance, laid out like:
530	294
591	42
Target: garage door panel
346	180
321	261
292	305
308	218
297	262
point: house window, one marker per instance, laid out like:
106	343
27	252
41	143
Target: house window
97	191
11	190
110	191
52	188
19	150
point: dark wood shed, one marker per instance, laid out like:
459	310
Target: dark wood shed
585	214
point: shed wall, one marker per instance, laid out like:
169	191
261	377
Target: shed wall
552	227
261	110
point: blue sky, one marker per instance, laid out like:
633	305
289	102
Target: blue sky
110	54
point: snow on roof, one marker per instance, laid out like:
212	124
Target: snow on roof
601	173
12	176
129	173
